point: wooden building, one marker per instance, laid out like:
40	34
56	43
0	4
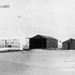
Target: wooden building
10	43
69	44
42	42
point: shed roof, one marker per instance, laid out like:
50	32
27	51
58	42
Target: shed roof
43	36
71	39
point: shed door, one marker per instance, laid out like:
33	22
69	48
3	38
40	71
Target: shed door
68	45
38	43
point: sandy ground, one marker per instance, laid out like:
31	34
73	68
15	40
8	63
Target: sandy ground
38	62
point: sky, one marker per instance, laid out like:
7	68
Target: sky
26	18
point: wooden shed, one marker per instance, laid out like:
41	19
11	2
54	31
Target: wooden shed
69	44
42	42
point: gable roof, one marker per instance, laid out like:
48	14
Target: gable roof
43	36
69	40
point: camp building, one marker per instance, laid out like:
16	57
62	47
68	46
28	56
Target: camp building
42	42
69	44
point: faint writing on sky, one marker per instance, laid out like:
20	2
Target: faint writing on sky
4	6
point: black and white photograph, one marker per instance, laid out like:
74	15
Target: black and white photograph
37	37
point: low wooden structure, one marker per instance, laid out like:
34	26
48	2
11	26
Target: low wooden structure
69	44
42	42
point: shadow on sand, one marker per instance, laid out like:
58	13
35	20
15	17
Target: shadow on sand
6	51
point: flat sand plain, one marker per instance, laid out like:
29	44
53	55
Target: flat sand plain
38	62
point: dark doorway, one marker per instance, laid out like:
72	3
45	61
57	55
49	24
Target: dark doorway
68	45
37	43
